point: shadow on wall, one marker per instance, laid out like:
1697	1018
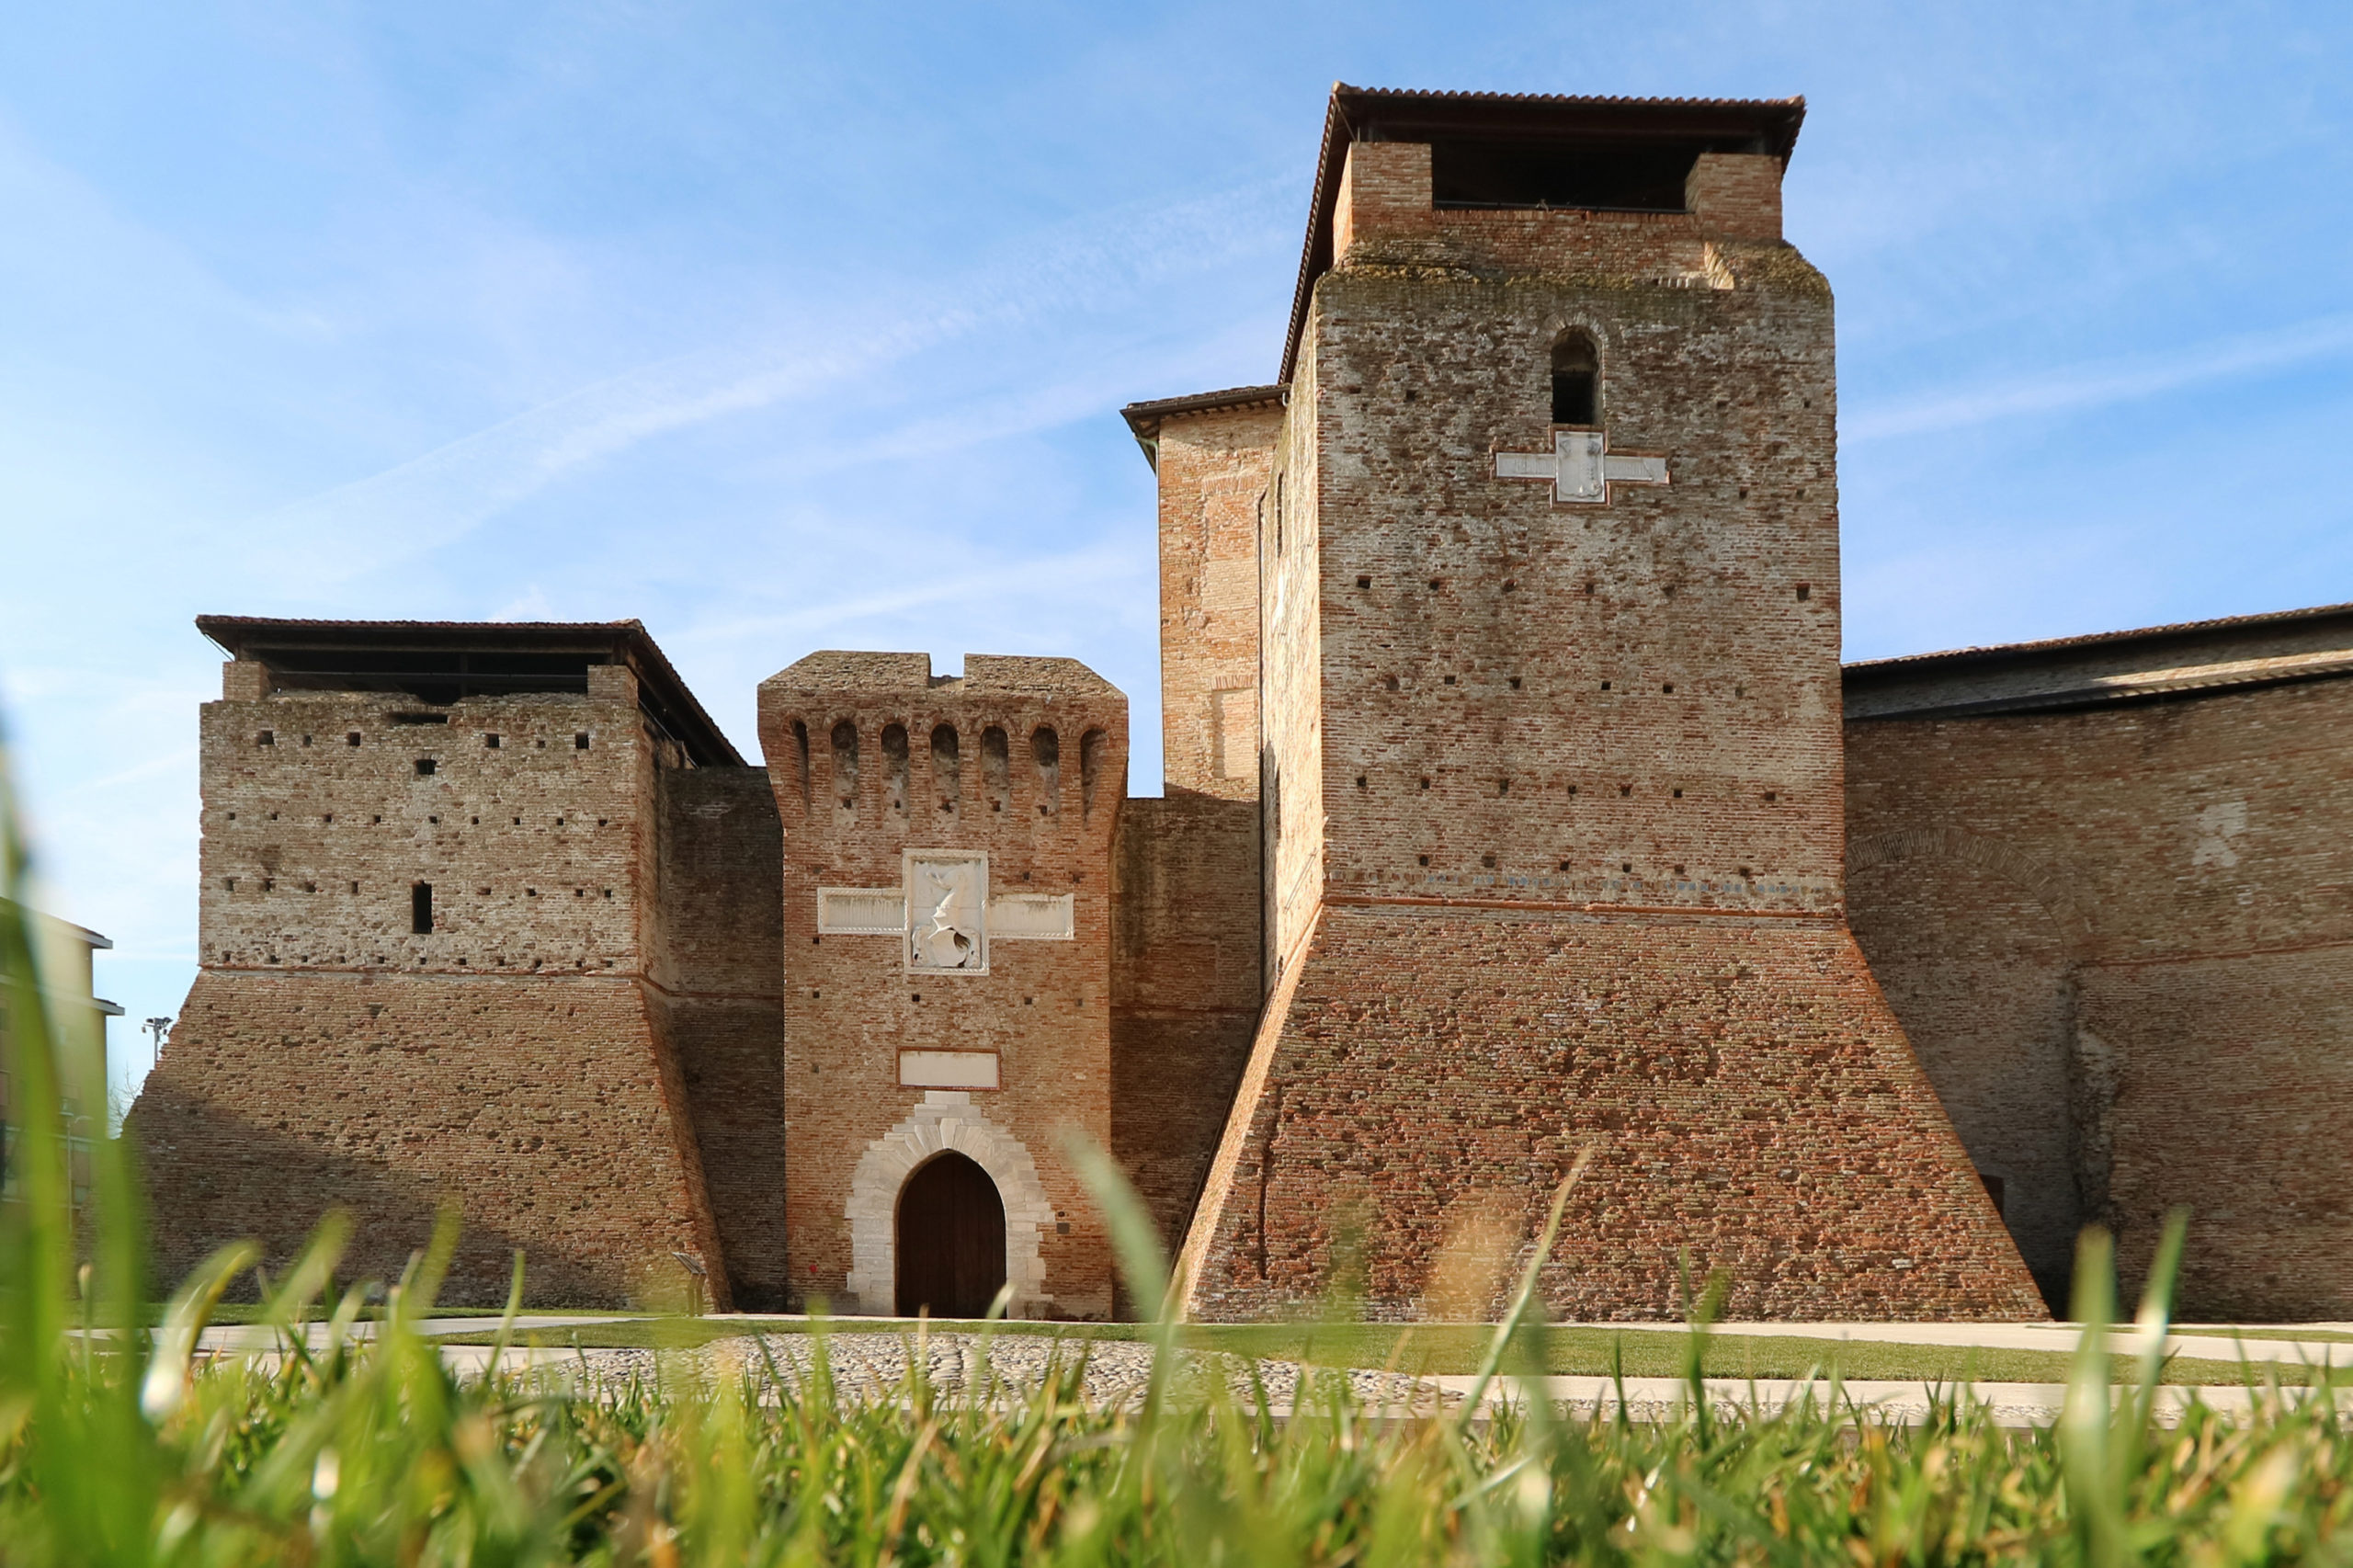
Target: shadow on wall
729	1053
1185	987
258	1183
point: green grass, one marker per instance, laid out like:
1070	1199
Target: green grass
1456	1348
119	1448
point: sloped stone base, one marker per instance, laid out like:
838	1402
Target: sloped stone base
542	1107
1429	1072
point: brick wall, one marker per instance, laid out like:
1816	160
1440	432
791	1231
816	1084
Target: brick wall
1184	989
1630	702
1736	195
719	1004
1746	1099
2119	938
321	816
1290	705
1384	217
1214	468
851	1006
536	1105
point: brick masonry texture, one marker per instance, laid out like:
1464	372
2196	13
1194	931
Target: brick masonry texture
537	1107
2119	940
1184	989
1213	467
1744	1094
719	999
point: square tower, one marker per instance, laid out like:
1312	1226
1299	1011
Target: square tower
454	949
1552	789
947	855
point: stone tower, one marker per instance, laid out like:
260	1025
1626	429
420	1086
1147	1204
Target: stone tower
486	919
947	893
1551	758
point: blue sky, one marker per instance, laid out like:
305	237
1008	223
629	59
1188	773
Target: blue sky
790	327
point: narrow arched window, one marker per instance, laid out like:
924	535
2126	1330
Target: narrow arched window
945	765
996	767
845	764
894	765
1576	381
1046	750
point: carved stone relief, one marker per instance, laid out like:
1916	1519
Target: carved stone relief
948	893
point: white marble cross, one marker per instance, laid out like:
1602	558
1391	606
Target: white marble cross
1581	467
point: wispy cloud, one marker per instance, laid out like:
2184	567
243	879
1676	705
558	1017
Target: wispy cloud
1040	576
440	496
2103	383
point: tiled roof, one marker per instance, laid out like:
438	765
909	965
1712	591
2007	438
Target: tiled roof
664	695
2187	659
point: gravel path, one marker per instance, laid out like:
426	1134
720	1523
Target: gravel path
873	1366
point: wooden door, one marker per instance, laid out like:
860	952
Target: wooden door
951	1239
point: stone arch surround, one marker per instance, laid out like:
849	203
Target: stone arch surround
947	1120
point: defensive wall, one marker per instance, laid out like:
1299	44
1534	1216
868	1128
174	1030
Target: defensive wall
2104	881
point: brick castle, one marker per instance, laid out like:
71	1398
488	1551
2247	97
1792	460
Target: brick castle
1516	806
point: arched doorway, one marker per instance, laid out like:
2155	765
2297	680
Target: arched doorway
950	1251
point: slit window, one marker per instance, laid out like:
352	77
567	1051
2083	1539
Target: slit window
420	909
424	767
946	764
1576	381
996	767
846	764
894	765
580	741
1046	750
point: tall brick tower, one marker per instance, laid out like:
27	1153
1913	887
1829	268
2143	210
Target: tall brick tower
1550	756
947	895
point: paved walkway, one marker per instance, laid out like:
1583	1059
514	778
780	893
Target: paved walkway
260	1336
2012	1404
2200	1343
